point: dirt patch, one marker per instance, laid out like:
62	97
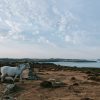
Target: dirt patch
78	87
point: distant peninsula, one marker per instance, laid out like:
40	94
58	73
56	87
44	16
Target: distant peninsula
44	60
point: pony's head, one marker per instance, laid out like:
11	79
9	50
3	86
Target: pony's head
24	66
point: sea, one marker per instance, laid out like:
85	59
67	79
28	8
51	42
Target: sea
78	64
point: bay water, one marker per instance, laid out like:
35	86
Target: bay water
79	64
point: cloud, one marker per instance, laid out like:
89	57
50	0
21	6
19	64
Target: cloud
43	40
50	22
22	18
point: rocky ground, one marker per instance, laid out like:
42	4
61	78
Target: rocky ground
78	86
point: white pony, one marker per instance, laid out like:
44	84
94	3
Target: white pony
14	71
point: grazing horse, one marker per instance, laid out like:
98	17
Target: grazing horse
13	71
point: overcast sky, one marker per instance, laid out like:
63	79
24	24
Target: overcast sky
50	28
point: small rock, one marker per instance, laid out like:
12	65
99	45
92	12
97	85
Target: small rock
86	98
73	78
8	80
9	88
75	84
46	84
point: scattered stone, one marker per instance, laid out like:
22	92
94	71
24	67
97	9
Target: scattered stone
46	84
25	74
73	78
8	80
94	78
32	76
8	88
87	98
52	83
89	72
75	84
8	98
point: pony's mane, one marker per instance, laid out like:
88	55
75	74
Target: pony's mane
19	66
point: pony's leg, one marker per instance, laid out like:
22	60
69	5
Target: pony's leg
15	77
2	77
20	77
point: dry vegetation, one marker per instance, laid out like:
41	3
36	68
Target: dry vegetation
81	84
78	87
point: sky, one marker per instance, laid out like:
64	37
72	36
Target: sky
50	29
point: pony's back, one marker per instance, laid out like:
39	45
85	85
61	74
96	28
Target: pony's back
9	70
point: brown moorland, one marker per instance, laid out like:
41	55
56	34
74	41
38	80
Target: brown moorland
79	85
